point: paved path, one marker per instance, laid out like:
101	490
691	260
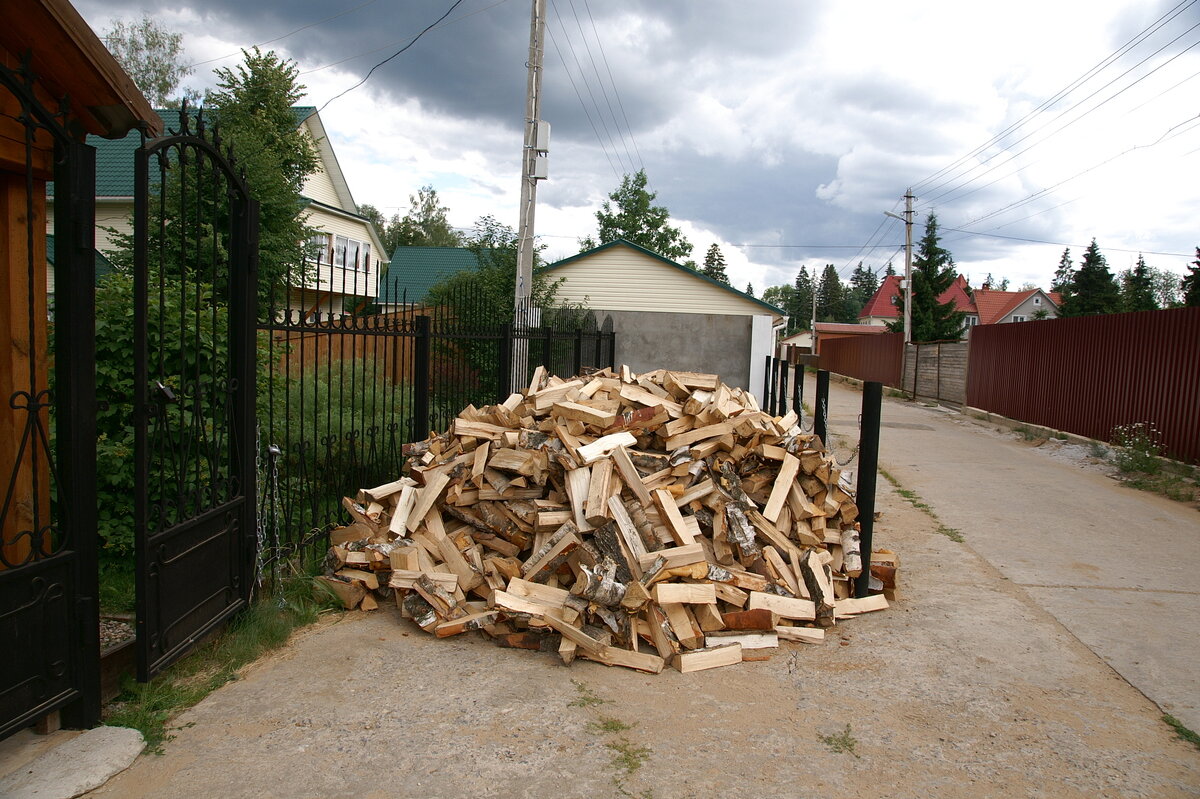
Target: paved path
1119	568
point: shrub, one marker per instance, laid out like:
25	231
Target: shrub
1140	446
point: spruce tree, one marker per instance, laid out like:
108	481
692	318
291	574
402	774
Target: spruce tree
714	264
829	295
1092	290
1064	274
1191	283
750	289
865	283
933	273
1137	289
802	297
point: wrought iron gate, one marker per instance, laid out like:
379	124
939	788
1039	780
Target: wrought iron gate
195	232
49	639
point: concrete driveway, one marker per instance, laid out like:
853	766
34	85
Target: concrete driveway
1118	567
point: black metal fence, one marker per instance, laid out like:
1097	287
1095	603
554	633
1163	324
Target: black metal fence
343	384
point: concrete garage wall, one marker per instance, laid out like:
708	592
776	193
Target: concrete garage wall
937	371
712	343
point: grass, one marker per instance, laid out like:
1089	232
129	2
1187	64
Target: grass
1174	485
264	626
607	725
1182	732
118	594
586	697
915	500
842	742
627	756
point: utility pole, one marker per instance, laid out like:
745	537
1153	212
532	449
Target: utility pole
537	135
907	219
529	155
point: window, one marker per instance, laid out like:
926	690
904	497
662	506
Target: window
318	248
339	250
1017	318
971	320
351	254
1037	300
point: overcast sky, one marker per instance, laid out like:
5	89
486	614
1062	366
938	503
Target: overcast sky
780	130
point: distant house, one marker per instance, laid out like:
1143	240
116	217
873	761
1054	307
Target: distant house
667	315
350	254
415	270
982	306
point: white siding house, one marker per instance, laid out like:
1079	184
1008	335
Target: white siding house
671	316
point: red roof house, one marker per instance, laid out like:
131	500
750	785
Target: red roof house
982	306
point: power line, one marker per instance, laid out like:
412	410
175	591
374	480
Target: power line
586	84
286	35
1081	116
1107	100
1043	192
582	104
1104	63
608	69
392	44
393	55
1063	244
600	80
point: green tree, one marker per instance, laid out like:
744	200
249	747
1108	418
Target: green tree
802	299
714	264
778	296
253	103
488	289
1190	285
152	56
749	289
864	283
1137	288
890	271
629	213
1064	275
829	295
1164	284
1092	290
425	224
933	273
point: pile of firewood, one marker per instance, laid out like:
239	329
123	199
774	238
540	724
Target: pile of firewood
627	519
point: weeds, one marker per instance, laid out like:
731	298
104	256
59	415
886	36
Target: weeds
262	627
627	757
1138	456
1098	451
1141	446
1182	732
607	725
841	742
915	500
586	697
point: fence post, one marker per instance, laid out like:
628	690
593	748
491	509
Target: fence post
781	387
821	412
578	354
504	364
546	350
421	380
798	389
612	350
868	463
767	384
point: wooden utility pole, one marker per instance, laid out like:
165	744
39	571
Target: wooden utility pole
908	223
907	219
529	156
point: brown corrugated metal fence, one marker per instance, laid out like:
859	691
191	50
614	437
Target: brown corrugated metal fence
878	357
1089	374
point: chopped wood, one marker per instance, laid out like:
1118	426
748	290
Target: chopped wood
612	516
684	593
806	635
748	640
701	659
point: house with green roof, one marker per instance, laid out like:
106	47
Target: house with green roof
351	256
415	270
670	316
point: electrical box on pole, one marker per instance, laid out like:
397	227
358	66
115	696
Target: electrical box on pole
541	137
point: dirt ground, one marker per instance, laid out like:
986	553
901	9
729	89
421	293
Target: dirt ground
966	688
